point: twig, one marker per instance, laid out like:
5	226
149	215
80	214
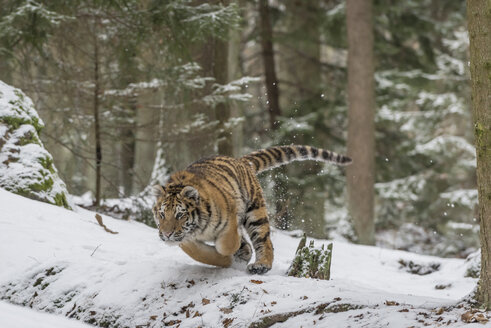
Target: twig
95	249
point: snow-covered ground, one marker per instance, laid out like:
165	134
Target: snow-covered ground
64	262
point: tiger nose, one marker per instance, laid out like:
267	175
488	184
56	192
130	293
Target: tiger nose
167	234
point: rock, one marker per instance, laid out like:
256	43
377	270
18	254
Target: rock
26	167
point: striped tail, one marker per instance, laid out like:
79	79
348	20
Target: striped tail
266	159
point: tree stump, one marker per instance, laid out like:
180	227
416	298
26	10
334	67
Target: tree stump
310	261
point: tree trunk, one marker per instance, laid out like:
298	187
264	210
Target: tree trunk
146	141
299	60
98	148
222	110
269	65
479	24
128	144
280	189
361	112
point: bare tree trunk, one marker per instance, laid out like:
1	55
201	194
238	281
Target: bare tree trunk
98	148
361	114
280	189
479	24
222	110
298	59
269	64
128	143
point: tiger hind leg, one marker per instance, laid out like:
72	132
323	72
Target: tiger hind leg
257	226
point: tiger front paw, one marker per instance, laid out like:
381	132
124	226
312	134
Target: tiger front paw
258	268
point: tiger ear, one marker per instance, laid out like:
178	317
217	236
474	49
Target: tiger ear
190	193
158	190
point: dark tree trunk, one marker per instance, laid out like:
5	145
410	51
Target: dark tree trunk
269	64
361	114
98	147
280	188
479	24
222	110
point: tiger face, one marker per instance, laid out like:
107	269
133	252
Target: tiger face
175	212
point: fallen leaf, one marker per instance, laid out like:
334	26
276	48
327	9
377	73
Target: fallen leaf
467	317
391	303
227	322
153	317
440	311
226	310
172	323
186	307
404	310
197	314
481	318
99	220
205	301
474	315
273	303
258	282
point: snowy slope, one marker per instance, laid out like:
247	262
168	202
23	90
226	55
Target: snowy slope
13	316
63	262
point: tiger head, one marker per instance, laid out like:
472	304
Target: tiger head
176	211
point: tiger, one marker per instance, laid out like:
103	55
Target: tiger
206	207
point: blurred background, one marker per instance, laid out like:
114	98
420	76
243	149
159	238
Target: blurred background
131	91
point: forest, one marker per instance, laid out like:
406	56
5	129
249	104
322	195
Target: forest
101	100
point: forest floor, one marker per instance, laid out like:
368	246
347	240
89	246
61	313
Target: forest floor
65	263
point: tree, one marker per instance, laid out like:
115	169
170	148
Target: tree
479	24
299	44
270	78
361	118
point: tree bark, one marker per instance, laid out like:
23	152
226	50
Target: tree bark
298	56
280	188
128	144
361	112
479	25
269	65
98	147
222	110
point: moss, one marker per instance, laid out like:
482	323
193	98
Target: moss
47	163
44	185
28	138
38	281
60	200
14	122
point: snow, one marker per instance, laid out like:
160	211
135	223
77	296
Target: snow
13	316
63	262
464	197
26	166
11	98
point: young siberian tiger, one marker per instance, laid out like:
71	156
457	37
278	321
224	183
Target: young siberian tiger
212	198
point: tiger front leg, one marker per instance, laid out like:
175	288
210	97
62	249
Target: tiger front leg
257	226
245	251
205	253
229	240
